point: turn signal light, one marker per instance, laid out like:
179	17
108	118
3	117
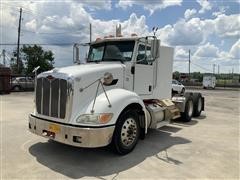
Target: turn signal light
105	118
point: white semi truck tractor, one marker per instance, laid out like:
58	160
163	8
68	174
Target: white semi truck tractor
120	92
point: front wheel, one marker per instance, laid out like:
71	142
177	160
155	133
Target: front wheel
126	132
183	91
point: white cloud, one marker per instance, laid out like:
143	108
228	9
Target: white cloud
205	6
190	13
149	5
227	26
196	31
222	10
183	33
235	50
135	25
207	50
181	53
31	25
96	4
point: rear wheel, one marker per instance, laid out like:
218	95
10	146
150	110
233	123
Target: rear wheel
16	88
126	132
186	116
197	103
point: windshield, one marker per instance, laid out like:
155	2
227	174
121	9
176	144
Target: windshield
111	51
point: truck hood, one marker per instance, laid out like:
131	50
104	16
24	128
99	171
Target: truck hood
84	69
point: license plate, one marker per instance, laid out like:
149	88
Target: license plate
54	128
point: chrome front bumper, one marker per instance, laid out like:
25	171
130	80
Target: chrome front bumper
71	134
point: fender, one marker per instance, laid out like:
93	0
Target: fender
119	99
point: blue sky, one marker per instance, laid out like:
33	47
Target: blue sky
210	29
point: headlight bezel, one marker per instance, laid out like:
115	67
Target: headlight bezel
95	118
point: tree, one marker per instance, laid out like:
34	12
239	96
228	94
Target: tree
36	56
197	75
176	75
13	64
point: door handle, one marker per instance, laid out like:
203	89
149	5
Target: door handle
149	88
133	69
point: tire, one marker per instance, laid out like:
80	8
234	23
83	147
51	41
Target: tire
127	132
186	116
16	88
197	104
174	92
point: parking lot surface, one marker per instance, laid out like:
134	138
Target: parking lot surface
206	147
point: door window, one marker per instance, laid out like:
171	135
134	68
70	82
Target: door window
144	55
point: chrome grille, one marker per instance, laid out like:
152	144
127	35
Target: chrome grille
51	97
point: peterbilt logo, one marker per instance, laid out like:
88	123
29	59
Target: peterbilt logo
50	77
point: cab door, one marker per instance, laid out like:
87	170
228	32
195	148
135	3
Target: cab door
143	71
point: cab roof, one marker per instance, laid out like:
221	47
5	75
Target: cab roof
110	39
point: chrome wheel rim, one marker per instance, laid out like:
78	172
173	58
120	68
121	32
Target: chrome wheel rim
190	108
199	104
129	132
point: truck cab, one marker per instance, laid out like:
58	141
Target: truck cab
123	89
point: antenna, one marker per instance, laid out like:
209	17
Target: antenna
154	29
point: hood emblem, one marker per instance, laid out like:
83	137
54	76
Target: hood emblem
50	77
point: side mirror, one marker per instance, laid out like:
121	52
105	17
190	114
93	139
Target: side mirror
155	43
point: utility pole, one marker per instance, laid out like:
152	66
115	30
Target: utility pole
18	42
218	69
214	68
4	57
189	61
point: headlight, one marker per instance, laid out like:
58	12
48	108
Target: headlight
102	118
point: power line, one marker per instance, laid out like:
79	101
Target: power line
202	67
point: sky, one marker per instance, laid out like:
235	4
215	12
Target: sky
210	29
